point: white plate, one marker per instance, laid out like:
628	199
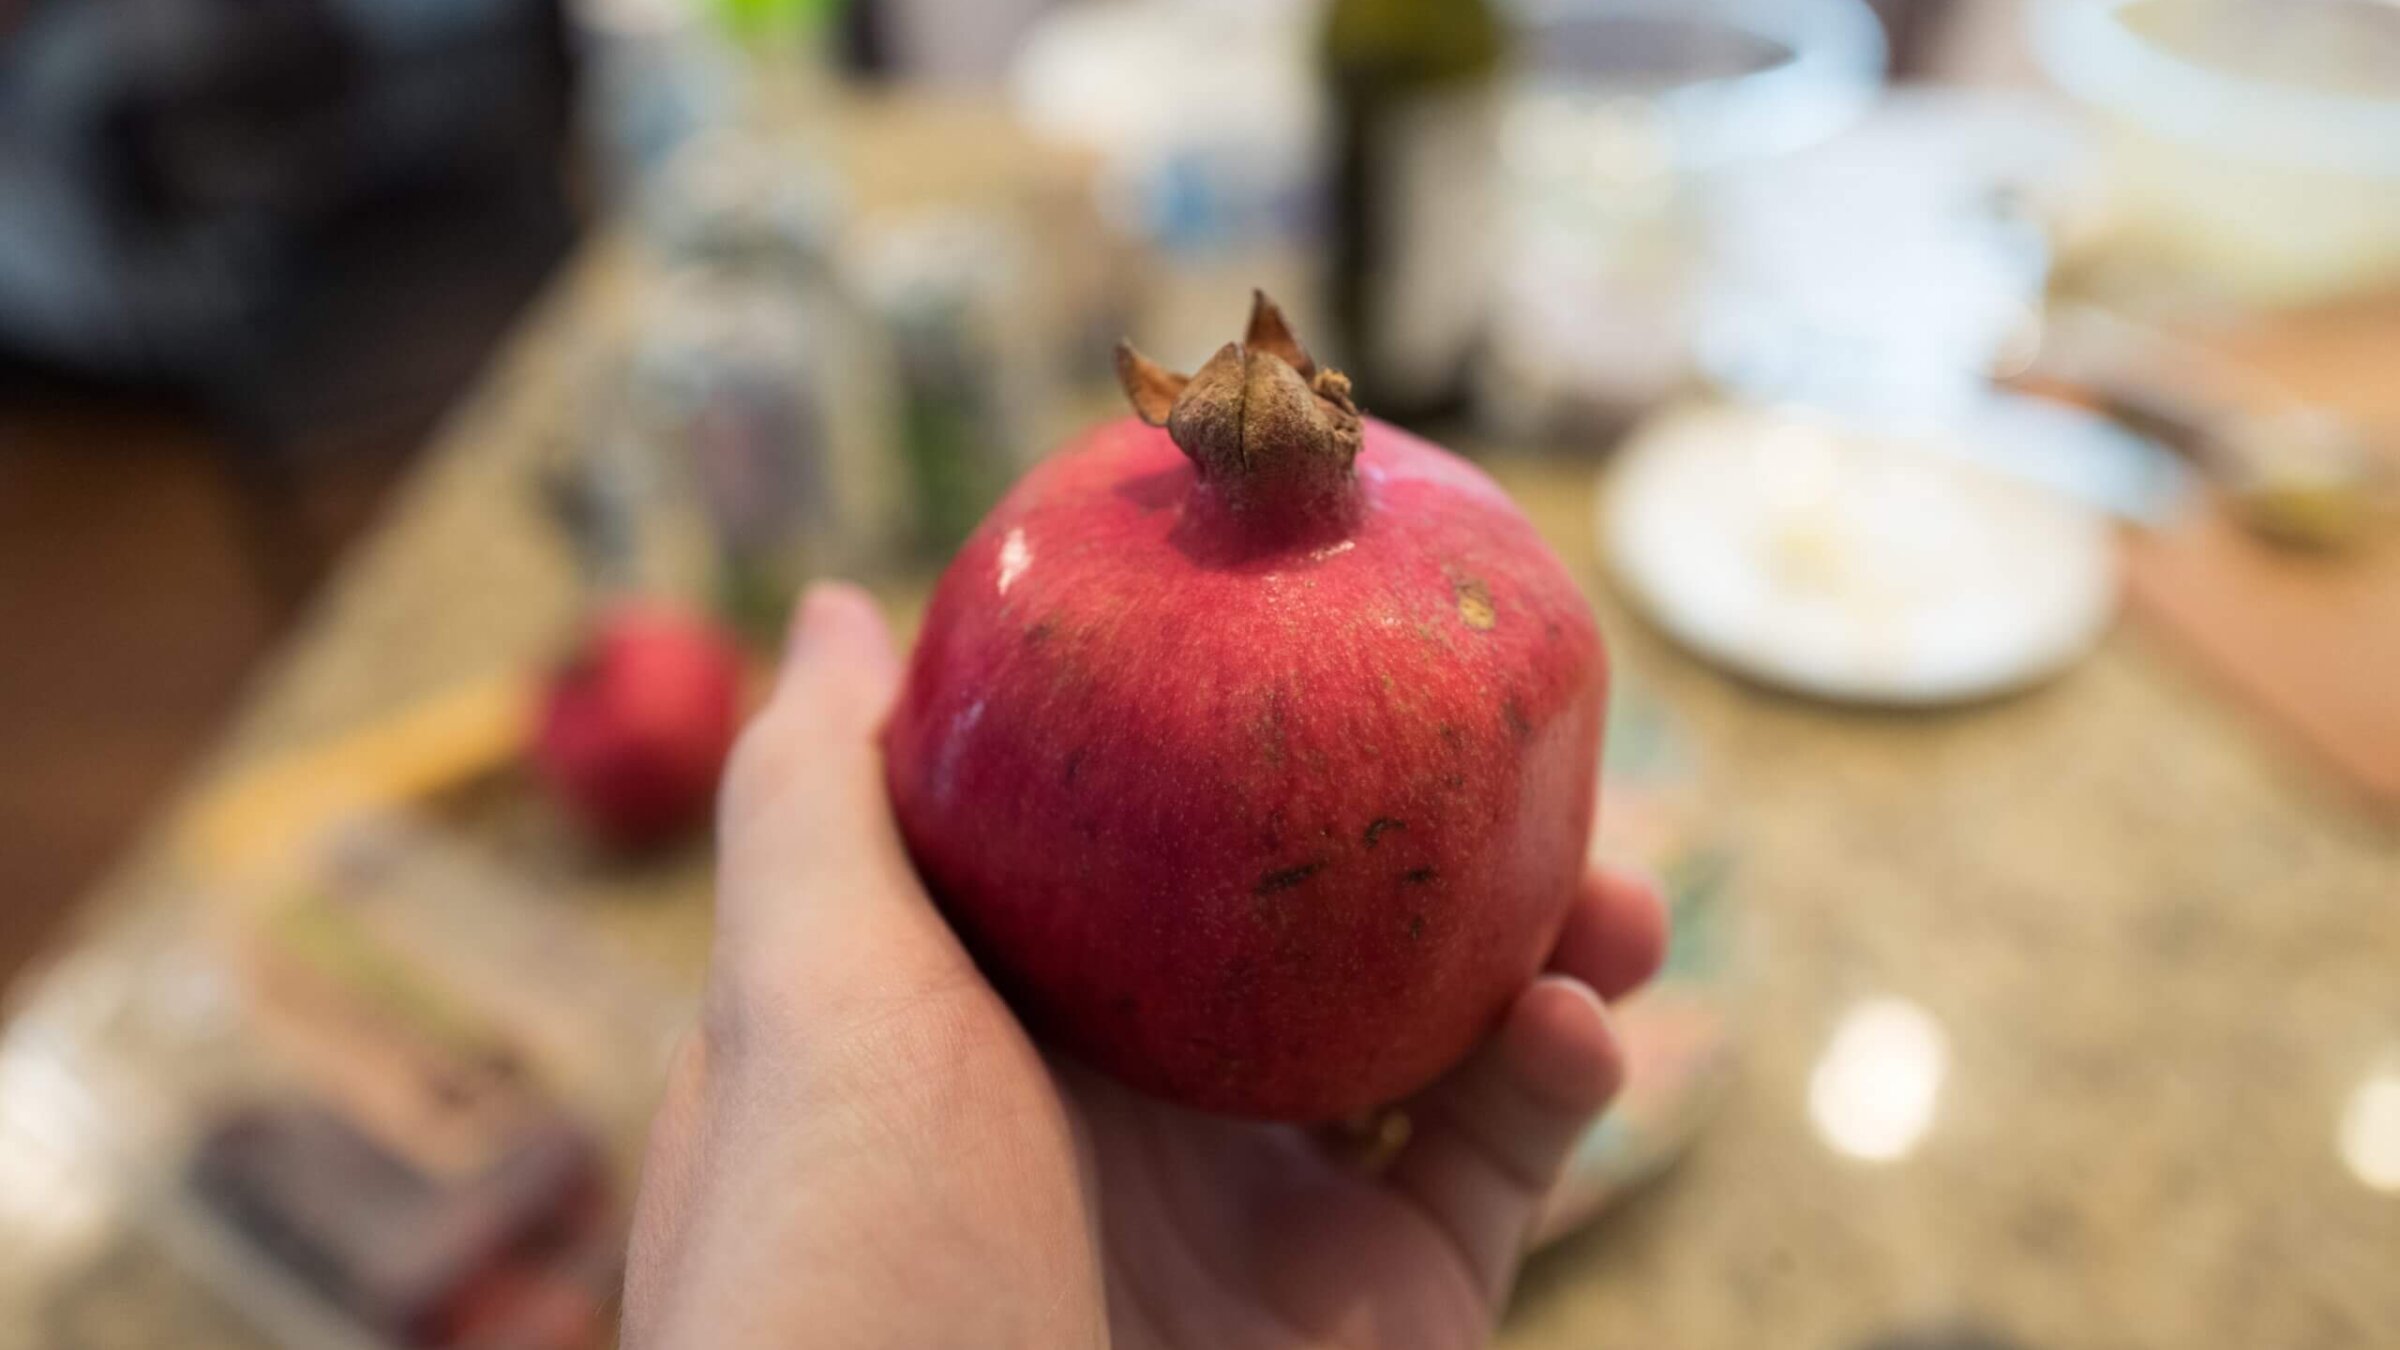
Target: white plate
1852	566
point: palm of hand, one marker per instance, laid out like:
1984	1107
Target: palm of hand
1220	1234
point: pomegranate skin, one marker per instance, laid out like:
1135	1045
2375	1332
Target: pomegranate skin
634	729
1275	831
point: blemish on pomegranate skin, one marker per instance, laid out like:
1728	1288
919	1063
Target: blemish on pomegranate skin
1380	826
1039	633
1416	926
1268	728
1419	876
1074	766
1519	725
1475	607
1283	879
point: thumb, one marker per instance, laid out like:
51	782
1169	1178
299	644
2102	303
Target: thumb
805	783
1492	1137
814	891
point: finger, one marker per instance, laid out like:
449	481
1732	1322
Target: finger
1615	934
838	679
804	784
837	630
815	896
1489	1140
662	1204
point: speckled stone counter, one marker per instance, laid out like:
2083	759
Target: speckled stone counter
2163	962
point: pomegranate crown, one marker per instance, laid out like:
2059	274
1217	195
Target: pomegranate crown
1269	430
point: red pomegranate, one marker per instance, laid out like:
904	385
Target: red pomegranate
1254	757
635	727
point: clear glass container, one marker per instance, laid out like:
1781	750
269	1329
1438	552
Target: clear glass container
1621	117
754	386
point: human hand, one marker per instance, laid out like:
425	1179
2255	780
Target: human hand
860	1146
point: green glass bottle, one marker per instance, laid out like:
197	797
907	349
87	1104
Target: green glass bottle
1415	128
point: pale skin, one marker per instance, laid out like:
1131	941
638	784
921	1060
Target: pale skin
861	1147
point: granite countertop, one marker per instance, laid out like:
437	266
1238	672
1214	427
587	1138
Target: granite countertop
2159	962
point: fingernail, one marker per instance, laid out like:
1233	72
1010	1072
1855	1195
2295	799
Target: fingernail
1627	870
808	618
1576	987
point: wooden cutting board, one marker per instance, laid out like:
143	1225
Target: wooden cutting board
2310	642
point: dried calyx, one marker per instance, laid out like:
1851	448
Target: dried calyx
1273	434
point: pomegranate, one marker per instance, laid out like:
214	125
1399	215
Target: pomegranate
635	727
1254	757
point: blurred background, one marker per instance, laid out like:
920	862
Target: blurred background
1976	421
